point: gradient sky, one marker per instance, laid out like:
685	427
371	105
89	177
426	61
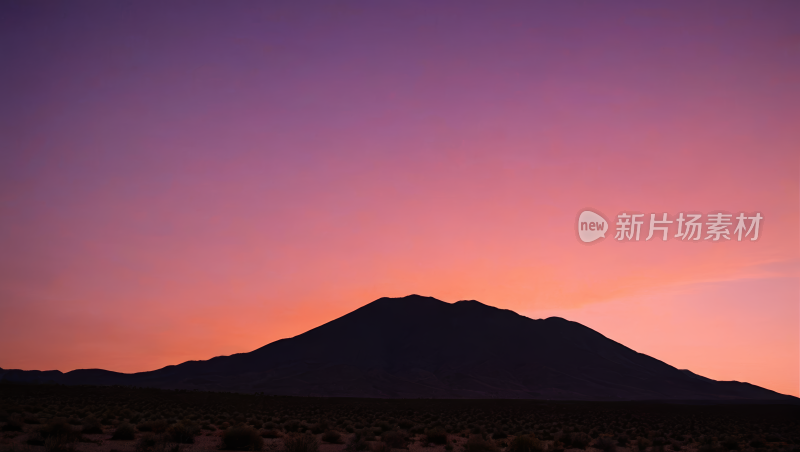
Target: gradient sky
190	179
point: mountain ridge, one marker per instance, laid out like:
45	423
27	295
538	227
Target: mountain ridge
418	346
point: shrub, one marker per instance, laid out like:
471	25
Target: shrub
579	440
380	447
124	431
91	425
623	440
270	433
159	426
59	443
149	442
31	419
357	444
13	425
436	435
61	429
476	443
291	425
183	432
242	438
332	436
730	444
301	443
35	439
565	437
394	439
525	443
605	444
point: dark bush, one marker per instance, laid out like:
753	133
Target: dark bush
301	443
242	438
149	442
291	426
159	426
394	439
91	426
525	443
59	428
31	419
605	444
332	436
367	434
124	431
499	434
35	439
13	425
579	440
436	435
565	437
183	432
758	443
476	443
623	440
59	443
380	447
730	444
357	444
270	433
773	437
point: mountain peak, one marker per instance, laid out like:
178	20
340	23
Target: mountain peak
418	346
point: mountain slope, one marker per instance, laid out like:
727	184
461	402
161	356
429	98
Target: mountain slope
422	347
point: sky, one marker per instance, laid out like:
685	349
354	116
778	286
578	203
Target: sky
185	180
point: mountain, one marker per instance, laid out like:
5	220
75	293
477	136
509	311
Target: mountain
422	347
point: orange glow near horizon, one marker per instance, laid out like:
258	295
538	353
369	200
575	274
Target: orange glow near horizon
243	175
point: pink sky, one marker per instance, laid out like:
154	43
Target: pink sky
180	183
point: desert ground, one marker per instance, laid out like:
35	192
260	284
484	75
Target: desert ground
52	418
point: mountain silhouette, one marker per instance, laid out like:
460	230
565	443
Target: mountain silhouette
417	346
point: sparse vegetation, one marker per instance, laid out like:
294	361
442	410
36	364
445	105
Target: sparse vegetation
476	443
125	431
436	435
394	439
332	436
525	443
168	418
91	426
183	432
301	443
242	437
